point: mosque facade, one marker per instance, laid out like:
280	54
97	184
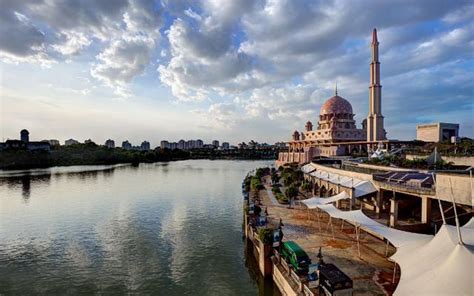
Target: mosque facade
336	133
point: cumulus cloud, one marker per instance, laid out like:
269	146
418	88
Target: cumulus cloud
122	61
204	57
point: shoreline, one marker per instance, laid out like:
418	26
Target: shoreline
120	164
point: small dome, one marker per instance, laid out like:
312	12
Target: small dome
24	131
336	105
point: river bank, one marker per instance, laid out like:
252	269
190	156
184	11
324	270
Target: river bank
85	154
370	270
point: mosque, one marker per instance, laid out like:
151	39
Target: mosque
336	133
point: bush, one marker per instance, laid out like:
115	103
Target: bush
276	189
256	184
266	235
281	198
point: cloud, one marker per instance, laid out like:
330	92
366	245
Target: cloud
203	55
280	58
123	60
20	39
73	42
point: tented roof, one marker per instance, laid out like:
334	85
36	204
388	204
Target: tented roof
308	168
313	202
397	237
440	267
361	187
429	265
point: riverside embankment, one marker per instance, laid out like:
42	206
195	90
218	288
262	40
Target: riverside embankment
371	271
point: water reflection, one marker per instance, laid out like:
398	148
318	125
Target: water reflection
167	229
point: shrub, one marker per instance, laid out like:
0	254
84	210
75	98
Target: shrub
281	198
266	235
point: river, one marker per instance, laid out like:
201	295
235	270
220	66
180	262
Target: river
164	229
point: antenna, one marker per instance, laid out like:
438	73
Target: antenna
335	89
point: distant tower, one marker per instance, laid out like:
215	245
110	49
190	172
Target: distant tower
375	129
309	126
25	136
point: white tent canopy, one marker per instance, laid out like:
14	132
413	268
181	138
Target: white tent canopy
429	265
439	267
397	237
308	168
361	187
313	202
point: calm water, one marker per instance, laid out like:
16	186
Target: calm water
164	229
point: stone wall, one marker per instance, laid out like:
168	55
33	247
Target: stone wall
461	188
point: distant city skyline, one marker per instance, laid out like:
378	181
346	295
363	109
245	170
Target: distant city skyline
229	70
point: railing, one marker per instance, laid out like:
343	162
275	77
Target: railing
406	187
293	279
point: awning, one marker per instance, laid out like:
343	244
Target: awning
308	168
364	188
397	237
361	187
442	266
313	202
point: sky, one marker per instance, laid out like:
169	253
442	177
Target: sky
228	70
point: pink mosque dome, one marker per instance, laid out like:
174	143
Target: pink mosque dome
336	105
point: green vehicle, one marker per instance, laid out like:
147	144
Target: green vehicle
296	257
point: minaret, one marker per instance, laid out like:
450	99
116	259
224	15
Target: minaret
375	129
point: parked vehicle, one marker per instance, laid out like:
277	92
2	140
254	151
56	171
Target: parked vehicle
296	257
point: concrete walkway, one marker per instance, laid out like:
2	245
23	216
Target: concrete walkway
268	187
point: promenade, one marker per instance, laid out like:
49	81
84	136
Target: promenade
372	272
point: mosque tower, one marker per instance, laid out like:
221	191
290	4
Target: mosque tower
375	129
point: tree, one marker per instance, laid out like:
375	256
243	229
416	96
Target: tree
291	192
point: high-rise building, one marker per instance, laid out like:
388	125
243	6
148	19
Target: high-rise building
181	144
164	145
145	146
375	128
215	143
110	143
199	143
225	145
126	145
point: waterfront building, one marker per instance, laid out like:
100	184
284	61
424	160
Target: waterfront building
181	144
164	144
110	143
336	133
199	143
225	145
437	132
70	142
215	143
25	143
145	146
126	145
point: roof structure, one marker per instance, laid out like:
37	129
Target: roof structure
361	187
443	266
430	265
313	202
